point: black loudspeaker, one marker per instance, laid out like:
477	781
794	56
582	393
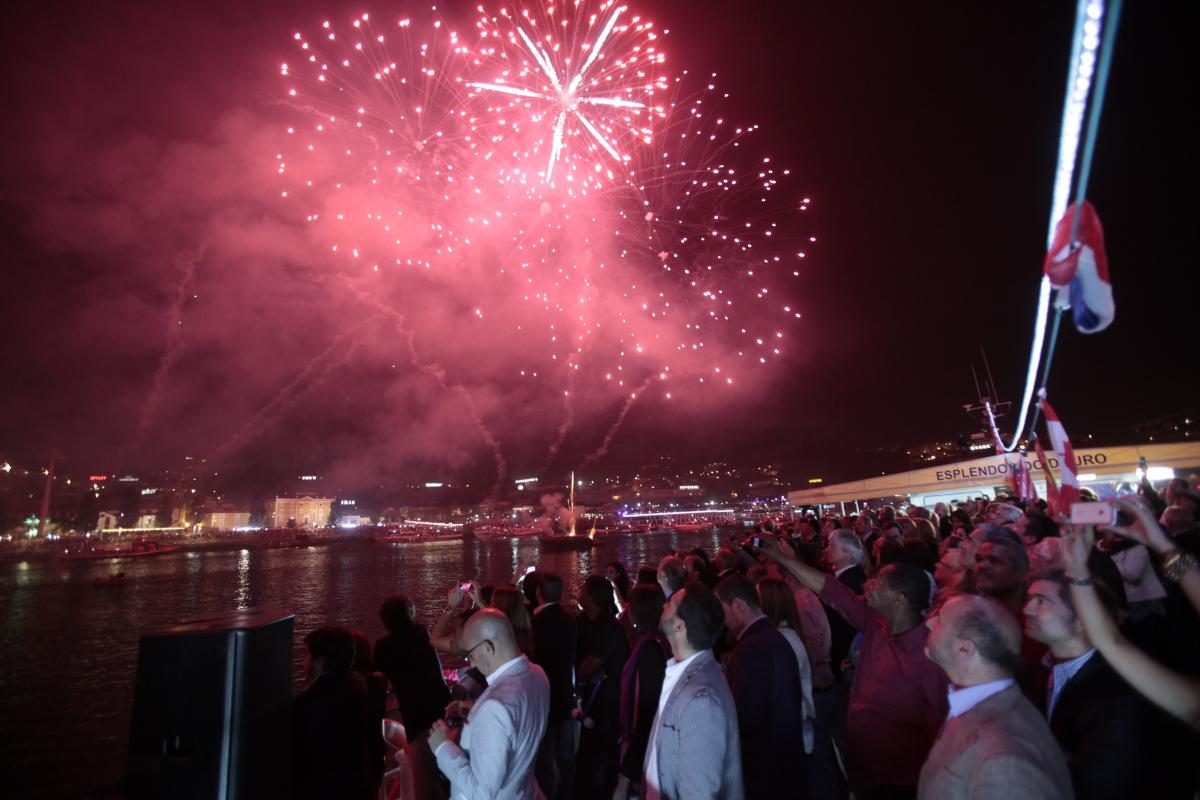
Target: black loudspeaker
212	709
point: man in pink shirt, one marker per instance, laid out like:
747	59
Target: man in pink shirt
898	701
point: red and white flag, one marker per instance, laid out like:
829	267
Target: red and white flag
1024	479
1052	501
1080	268
1069	491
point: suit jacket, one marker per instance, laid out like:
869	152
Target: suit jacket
765	680
415	672
842	633
603	639
495	756
696	736
554	634
329	739
641	685
1107	732
1000	749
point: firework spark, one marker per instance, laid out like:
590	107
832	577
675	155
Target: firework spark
571	82
555	185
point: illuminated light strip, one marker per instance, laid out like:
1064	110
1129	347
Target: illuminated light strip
1085	42
434	524
141	530
697	512
525	480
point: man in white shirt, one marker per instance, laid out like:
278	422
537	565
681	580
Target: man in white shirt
694	749
994	745
500	738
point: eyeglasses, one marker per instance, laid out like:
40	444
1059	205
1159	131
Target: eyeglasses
467	654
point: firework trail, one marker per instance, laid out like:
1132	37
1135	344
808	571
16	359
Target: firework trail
564	427
317	369
601	451
186	262
438	373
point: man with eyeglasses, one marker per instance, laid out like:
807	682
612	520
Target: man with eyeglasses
491	756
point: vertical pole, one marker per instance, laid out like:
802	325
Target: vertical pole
44	512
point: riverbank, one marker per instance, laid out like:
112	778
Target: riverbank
42	551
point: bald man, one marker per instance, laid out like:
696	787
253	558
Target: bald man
994	744
491	756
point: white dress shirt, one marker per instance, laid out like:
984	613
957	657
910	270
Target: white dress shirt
963	700
507	666
675	670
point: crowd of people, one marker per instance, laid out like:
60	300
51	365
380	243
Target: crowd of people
983	650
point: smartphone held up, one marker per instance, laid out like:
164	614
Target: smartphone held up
1102	515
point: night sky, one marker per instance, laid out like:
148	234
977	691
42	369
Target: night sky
135	190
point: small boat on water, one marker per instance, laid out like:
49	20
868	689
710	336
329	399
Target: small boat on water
562	542
140	548
274	540
691	526
107	581
419	537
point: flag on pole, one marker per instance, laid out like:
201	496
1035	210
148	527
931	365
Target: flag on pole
1079	265
1052	502
1024	480
1069	491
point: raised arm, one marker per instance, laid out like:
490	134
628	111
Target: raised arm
785	557
442	635
841	599
1178	565
1177	694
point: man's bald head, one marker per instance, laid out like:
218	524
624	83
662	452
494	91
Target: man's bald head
489	639
974	639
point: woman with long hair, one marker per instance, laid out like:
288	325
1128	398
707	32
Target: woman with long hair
641	683
779	604
511	601
602	652
616	574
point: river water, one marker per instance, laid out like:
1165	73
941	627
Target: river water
68	650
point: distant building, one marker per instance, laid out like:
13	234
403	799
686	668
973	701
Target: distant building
299	512
226	519
107	520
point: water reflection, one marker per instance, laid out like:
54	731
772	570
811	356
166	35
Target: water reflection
68	651
243	580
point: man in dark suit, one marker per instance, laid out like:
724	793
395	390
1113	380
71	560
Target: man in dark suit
765	680
330	723
411	664
845	555
1109	733
554	634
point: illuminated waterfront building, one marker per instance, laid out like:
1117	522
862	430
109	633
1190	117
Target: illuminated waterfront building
299	512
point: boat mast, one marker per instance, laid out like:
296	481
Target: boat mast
571	503
44	511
